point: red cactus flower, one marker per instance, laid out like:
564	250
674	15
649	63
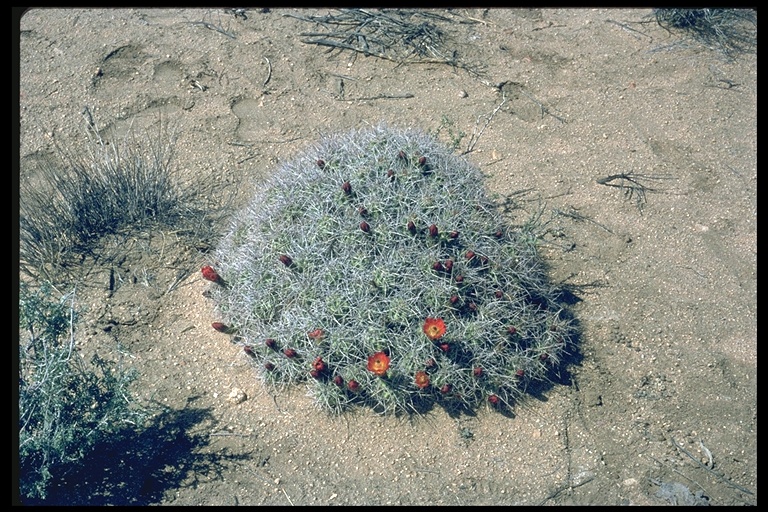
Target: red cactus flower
493	399
378	363
421	379
220	326
269	366
411	226
318	364
210	274
477	372
445	389
434	328
321	164
353	385
269	342
365	227
317	334
338	380
289	352
433	231
286	260
346	187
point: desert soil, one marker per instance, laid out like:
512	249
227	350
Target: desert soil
658	406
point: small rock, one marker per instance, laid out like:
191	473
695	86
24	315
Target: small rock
237	396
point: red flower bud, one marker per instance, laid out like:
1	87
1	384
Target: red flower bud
454	299
269	342
499	294
318	364
391	175
459	279
314	373
445	389
401	155
422	161
544	356
445	347
454	234
210	274
286	260
353	385
363	211
338	380
316	334
438	267
248	350
365	227
448	265
511	330
346	187
430	363
477	372
469	255
472	307
321	164
269	366
411	226
289	352
433	230
499	233
219	326
520	373
493	399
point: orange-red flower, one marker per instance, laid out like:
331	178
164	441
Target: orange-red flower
378	363
434	328
421	379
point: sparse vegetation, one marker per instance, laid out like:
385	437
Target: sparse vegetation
66	405
82	195
730	31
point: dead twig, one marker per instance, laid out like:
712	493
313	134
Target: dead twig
631	186
716	474
269	72
213	27
475	134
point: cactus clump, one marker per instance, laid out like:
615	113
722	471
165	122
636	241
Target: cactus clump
387	277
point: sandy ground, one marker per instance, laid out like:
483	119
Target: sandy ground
551	102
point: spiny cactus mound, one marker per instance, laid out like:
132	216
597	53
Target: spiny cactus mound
375	268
